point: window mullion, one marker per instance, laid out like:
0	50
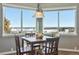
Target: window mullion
21	20
58	22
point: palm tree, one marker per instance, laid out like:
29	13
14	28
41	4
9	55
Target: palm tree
6	25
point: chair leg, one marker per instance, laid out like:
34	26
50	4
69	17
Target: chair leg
16	53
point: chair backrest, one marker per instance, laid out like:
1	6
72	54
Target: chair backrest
51	45
17	42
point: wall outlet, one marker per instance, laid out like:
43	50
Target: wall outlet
75	48
11	49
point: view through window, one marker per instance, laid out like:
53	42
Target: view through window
16	19
60	20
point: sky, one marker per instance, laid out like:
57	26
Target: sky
50	19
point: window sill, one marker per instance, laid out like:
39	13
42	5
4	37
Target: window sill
63	33
69	34
11	35
21	34
14	33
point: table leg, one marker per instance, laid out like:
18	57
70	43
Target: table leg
32	51
22	45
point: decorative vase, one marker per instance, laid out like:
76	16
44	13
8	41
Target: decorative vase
39	35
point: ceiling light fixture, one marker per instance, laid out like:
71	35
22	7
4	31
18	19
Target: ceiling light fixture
39	11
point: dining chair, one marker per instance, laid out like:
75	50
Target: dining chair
51	46
21	50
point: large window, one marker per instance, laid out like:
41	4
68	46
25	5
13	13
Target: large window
17	20
12	20
60	20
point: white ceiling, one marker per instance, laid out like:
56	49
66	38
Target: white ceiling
44	5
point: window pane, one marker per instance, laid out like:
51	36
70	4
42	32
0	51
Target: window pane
51	19
67	18
12	19
13	15
28	19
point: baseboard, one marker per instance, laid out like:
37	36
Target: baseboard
9	52
71	50
60	49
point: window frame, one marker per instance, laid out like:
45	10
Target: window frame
58	10
75	31
21	11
